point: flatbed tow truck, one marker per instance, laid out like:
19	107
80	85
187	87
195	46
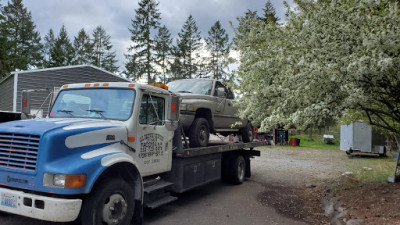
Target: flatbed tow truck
106	151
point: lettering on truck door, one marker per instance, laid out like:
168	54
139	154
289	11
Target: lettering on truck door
154	143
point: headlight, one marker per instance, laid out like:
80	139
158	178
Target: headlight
189	107
64	180
59	180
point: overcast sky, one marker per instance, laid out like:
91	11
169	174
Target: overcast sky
116	15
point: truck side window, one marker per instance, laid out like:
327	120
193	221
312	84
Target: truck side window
152	110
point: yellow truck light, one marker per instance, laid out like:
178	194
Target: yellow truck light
64	180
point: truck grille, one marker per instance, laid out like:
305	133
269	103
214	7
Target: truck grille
19	150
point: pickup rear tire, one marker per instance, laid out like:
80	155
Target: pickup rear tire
199	133
111	202
247	133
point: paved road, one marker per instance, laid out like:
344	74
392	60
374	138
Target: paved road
215	203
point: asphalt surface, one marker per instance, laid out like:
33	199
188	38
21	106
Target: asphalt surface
215	203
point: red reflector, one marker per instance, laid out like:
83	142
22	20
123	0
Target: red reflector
173	107
25	102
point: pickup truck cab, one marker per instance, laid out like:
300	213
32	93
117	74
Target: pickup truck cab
208	107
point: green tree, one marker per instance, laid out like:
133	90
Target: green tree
146	21
270	13
188	45
62	53
219	48
83	48
49	43
22	47
163	51
103	56
244	26
4	48
330	59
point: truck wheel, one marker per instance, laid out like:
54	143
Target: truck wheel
238	170
111	202
247	133
199	133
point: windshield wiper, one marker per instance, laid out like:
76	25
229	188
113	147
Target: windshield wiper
69	112
97	111
184	92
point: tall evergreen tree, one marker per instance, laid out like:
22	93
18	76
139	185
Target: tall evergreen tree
188	43
4	59
146	21
176	67
83	48
244	26
63	53
49	43
22	47
163	50
104	57
218	46
270	13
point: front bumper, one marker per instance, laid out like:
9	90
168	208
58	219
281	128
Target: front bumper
186	118
39	207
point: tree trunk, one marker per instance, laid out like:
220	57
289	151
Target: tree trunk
310	132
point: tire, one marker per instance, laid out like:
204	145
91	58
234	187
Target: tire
247	133
111	202
199	133
238	169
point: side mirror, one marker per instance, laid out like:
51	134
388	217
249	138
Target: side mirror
173	112
221	92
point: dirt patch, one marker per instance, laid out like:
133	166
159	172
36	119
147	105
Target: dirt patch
297	203
308	185
370	203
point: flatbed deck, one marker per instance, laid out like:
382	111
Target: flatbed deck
219	148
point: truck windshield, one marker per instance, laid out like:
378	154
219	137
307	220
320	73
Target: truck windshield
202	87
100	103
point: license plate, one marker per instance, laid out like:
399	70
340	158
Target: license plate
8	200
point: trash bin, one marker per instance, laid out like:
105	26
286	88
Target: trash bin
294	141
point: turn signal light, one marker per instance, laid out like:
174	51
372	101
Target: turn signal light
75	180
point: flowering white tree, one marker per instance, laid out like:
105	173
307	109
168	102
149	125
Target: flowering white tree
329	59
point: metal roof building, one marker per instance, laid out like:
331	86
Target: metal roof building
46	82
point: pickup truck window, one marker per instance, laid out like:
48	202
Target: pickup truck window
152	110
102	103
201	87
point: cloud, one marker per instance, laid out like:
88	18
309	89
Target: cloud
115	16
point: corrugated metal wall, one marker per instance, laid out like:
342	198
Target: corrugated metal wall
6	94
48	79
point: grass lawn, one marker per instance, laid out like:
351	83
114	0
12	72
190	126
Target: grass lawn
316	142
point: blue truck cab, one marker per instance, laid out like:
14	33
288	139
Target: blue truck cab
89	155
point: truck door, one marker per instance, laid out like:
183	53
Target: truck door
230	111
154	141
220	96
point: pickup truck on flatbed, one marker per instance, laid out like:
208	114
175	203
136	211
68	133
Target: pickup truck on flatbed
106	151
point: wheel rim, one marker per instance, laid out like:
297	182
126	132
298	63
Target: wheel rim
203	134
114	209
240	170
